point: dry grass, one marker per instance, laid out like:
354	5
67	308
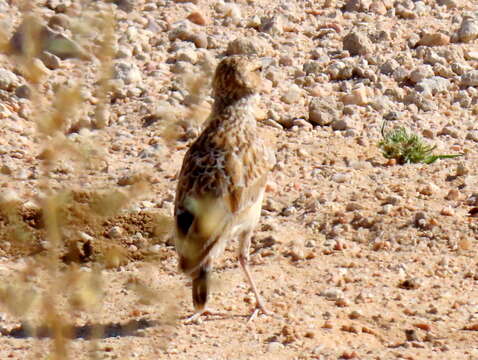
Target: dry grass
54	302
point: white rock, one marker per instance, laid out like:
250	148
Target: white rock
468	30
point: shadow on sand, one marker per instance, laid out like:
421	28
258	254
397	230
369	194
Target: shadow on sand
88	331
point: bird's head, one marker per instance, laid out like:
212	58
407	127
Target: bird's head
236	77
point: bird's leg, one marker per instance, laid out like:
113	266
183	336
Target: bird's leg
244	261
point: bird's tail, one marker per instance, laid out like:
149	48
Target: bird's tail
201	287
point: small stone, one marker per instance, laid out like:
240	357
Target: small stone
353	206
340	178
471	55
51	61
127	72
340	125
433	85
23	92
39	69
465	244
378	7
275	346
468	30
410	284
313	67
400	74
332	294
354	315
9	196
233	13
198	18
358	5
357	44
339	70
189	55
451	4
411	335
115	232
358	96
8	80
420	73
472	135
447	211
249	46
405	13
272	25
293	95
434	39
302	124
59	20
449	131
429	189
462	170
322	111
470	78
254	22
125	5
389	66
453	194
200	40
6	170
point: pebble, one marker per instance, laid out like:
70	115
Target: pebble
422	72
127	72
472	135
50	60
465	244
23	92
434	39
340	178
8	80
60	20
332	294
357	43
453	194
198	18
404	13
358	5
233	13
272	25
359	96
249	46
115	232
447	211
125	5
353	206
468	30
462	170
470	78
340	125
293	94
9	196
322	111
275	346
433	85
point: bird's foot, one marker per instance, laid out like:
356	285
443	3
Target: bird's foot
260	309
195	318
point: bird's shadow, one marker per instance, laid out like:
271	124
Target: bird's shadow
89	331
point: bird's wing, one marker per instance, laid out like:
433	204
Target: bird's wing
214	187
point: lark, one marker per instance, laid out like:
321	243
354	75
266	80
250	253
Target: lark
222	180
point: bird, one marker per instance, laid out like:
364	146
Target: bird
222	180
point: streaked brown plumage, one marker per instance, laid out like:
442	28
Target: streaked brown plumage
222	179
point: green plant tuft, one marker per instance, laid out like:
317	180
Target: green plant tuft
408	148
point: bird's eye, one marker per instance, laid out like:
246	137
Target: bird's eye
259	69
